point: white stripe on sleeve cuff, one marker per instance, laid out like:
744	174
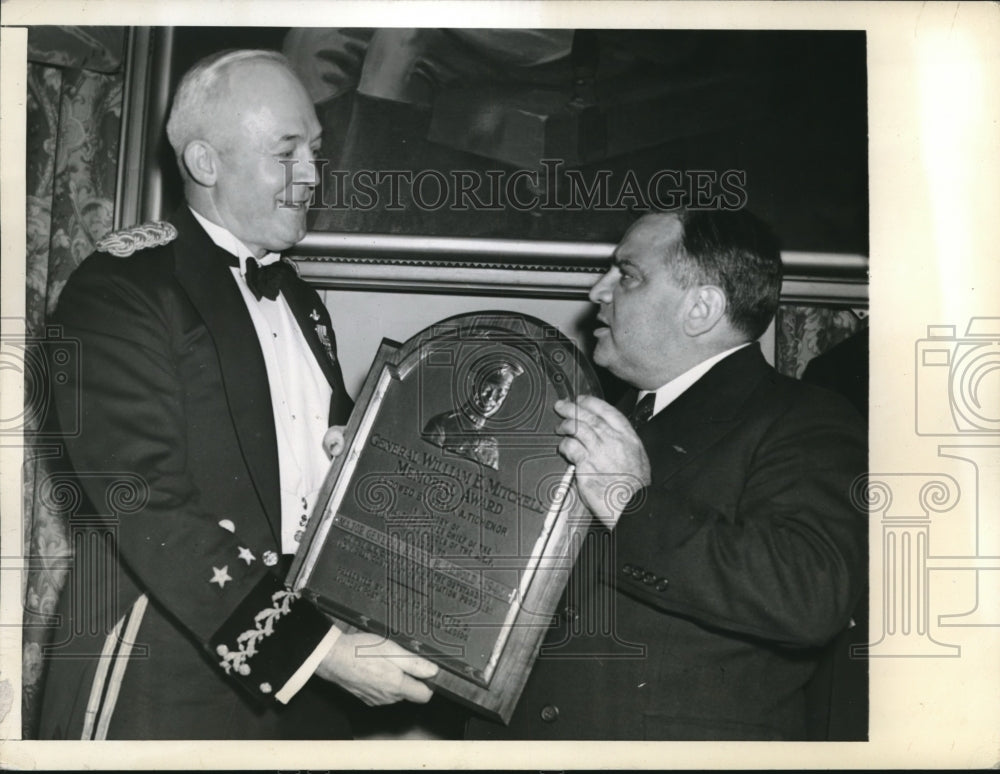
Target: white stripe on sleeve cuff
309	666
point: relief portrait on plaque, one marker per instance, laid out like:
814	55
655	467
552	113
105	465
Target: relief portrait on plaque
462	431
450	524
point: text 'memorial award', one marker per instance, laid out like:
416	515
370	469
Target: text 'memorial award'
449	523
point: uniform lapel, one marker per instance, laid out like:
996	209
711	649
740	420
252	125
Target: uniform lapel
202	270
703	414
314	321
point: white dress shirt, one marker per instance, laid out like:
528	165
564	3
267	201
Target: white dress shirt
300	399
300	393
670	392
677	386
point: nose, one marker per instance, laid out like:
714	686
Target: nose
600	293
307	170
303	170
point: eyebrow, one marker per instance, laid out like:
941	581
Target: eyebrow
617	260
295	137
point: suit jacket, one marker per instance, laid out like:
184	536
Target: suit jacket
702	615
175	622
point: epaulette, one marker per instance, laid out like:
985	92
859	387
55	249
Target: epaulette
126	241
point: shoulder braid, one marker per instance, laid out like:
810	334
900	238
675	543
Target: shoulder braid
126	241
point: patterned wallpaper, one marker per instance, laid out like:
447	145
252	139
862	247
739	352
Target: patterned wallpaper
802	332
74	110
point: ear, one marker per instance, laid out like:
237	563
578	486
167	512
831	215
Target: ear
706	307
201	162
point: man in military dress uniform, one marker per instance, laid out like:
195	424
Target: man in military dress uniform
740	555
207	377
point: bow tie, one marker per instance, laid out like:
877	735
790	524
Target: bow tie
267	280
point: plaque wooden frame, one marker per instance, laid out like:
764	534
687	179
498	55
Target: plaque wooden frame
542	573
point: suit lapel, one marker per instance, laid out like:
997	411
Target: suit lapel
316	328
703	414
202	270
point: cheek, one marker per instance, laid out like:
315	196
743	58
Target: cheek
626	315
267	185
636	329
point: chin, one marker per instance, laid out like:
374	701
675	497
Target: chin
601	357
287	239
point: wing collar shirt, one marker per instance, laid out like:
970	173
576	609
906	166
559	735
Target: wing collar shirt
300	399
300	393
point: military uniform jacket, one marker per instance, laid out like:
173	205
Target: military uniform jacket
186	629
702	615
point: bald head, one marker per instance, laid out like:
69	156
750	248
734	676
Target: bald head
216	92
246	136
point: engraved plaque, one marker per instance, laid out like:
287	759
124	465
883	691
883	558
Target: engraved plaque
449	524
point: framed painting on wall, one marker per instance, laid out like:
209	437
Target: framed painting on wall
511	160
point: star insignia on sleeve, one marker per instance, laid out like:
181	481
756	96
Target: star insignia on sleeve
221	576
246	555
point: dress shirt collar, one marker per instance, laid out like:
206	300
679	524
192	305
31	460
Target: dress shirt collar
225	239
673	389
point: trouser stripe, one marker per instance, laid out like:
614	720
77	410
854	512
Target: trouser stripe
114	659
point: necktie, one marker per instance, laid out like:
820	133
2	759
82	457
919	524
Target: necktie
267	280
643	410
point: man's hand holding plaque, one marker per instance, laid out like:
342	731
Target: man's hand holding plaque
377	670
606	450
372	668
333	441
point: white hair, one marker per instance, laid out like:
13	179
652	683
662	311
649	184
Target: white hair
195	101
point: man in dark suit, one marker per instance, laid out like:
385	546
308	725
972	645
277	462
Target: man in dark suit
207	378
698	610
